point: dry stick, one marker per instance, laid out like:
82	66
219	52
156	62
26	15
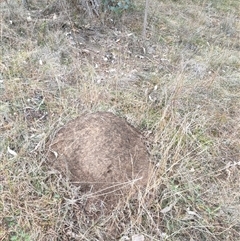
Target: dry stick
145	20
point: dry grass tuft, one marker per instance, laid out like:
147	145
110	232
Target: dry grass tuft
181	87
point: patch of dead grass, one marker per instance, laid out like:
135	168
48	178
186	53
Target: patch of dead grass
180	87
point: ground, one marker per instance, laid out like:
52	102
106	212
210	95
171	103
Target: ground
180	87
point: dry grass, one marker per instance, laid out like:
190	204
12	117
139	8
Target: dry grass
181	87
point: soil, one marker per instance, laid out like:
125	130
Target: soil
100	152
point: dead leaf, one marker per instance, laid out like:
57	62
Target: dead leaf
138	237
191	213
12	152
168	208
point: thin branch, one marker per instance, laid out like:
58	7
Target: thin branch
145	20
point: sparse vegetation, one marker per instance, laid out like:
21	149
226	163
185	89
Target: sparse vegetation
180	86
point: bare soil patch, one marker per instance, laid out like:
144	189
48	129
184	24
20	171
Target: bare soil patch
100	151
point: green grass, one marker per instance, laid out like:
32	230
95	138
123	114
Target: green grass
181	88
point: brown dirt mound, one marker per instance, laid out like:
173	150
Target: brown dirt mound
100	151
